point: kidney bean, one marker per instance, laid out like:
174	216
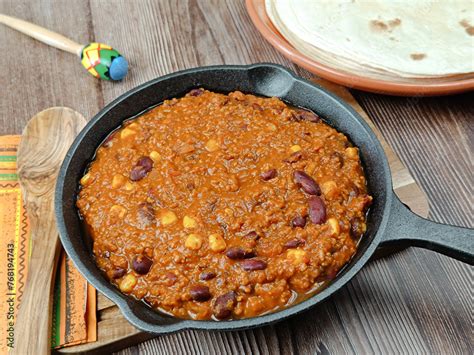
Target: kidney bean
225	102
238	253
268	175
207	275
366	202
200	293
337	159
146	213
118	273
224	304
307	183
355	225
146	163
196	92
252	235
317	210
298	221
141	169
137	173
108	141
253	264
294	158
354	191
141	264
328	275
171	278
304	115
294	243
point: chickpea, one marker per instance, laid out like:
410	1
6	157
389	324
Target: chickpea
329	188
118	210
168	217
128	283
185	148
155	156
128	186
297	256
334	224
189	222
310	168
193	242
118	181
217	243
127	132
352	152
86	179
295	148
212	145
272	127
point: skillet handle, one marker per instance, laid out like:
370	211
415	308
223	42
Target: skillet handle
405	228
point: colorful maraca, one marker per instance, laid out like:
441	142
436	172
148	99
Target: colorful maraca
99	59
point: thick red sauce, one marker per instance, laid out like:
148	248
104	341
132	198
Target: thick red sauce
224	206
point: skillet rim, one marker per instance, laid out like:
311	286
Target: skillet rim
130	307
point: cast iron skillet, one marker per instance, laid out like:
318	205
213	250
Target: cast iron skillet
390	223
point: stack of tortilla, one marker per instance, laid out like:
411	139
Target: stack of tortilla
382	39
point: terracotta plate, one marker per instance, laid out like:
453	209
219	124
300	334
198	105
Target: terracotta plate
405	87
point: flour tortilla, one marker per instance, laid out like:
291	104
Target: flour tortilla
419	39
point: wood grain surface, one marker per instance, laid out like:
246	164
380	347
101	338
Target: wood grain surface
114	332
415	301
43	146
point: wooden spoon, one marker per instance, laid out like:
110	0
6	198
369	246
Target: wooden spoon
46	139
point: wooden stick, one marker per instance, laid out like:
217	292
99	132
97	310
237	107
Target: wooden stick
42	34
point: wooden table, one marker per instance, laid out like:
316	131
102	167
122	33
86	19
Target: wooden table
414	301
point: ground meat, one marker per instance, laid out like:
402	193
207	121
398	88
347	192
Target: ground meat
217	206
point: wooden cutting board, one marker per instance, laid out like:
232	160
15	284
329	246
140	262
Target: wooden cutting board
115	333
